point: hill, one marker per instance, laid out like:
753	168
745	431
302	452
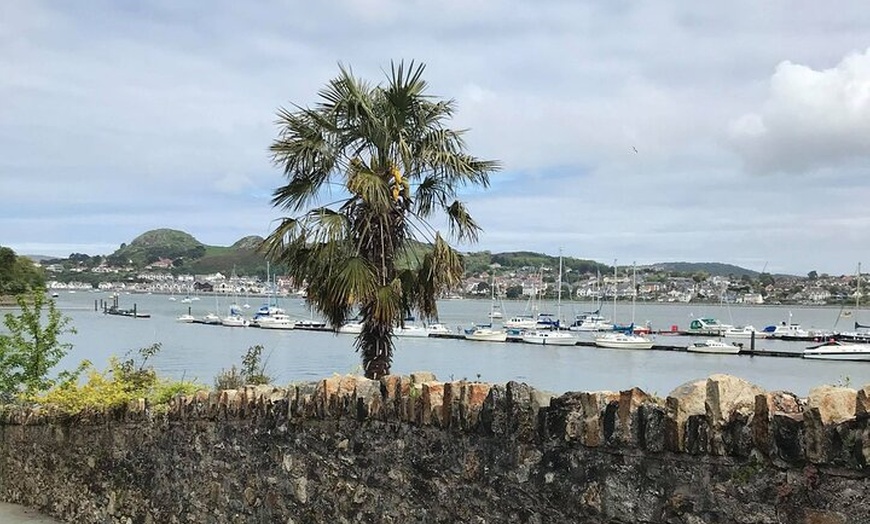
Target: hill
157	244
517	260
190	255
711	268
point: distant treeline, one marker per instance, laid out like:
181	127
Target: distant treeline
18	274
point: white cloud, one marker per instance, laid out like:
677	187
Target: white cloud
812	119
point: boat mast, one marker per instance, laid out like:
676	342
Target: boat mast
615	288
633	290
559	293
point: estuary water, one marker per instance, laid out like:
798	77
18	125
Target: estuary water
199	352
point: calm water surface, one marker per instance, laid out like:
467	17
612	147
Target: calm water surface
200	352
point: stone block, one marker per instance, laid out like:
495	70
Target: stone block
832	404
368	400
652	418
137	408
609	423
433	404
472	397
231	402
213	405
419	377
335	396
728	400
452	399
494	412
522	410
392	395
305	401
826	405
787	437
684	401
592	406
767	405
627	423
697	436
862	402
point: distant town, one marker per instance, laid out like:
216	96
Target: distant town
645	284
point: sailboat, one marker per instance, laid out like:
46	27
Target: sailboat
495	312
592	320
486	332
857	335
623	339
552	336
525	320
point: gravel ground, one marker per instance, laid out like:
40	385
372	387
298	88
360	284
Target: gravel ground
15	514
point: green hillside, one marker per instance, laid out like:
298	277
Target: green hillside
158	244
711	268
190	255
517	260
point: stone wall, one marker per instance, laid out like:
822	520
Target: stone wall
412	449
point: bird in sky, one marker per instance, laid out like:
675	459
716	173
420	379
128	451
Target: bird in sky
635	149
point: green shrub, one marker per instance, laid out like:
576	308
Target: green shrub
31	348
123	382
253	372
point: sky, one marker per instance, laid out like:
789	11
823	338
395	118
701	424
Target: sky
734	132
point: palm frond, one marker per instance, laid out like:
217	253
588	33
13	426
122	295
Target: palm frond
462	225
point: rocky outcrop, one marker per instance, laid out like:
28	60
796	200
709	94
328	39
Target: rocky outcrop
348	449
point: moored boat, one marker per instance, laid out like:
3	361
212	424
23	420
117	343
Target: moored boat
708	326
211	318
521	322
618	340
352	327
547	337
835	350
276	321
485	334
438	329
714	346
234	320
743	332
186	318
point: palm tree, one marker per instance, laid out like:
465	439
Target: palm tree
367	168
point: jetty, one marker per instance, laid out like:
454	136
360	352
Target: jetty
115	309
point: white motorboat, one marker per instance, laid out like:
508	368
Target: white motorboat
486	334
618	340
351	327
591	321
186	318
521	322
714	346
743	332
839	351
789	330
707	326
233	320
548	337
276	321
211	318
410	330
311	324
438	329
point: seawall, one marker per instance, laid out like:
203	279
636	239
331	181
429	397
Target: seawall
412	449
